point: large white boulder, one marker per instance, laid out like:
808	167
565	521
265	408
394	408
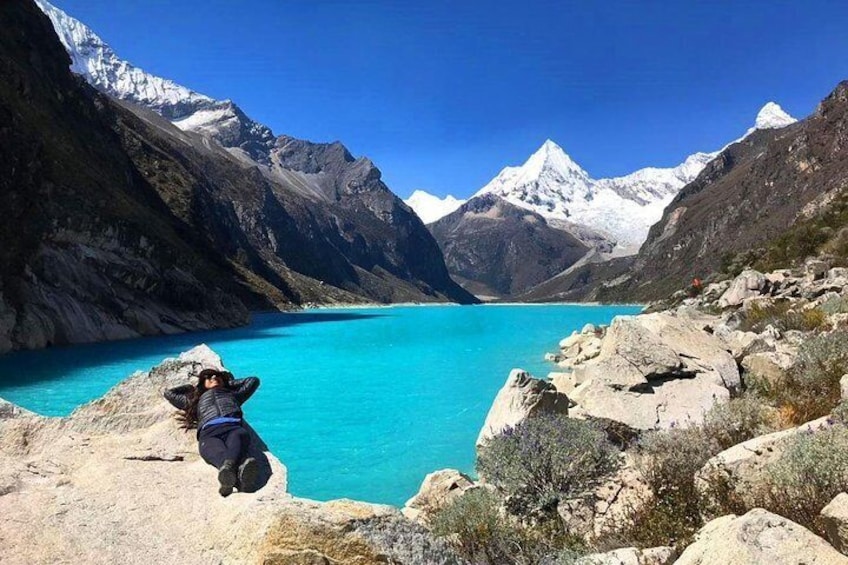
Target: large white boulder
520	398
631	556
655	371
439	489
748	284
119	482
834	516
743	464
609	506
757	538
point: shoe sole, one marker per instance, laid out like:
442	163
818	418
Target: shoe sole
248	474
227	478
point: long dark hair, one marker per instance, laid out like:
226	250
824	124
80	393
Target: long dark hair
188	417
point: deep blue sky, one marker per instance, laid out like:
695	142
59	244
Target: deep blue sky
442	94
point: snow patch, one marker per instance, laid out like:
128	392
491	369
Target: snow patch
431	208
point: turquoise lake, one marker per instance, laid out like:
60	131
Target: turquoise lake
358	403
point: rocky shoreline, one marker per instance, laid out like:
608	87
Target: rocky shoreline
117	481
669	373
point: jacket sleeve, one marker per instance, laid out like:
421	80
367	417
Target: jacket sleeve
244	388
178	396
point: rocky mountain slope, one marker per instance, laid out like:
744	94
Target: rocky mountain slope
748	197
775	197
120	224
611	217
90	249
378	234
497	249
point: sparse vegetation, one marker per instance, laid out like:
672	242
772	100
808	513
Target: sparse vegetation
809	474
739	420
668	460
823	233
782	315
482	533
836	305
810	389
545	460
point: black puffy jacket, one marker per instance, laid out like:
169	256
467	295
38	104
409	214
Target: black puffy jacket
215	402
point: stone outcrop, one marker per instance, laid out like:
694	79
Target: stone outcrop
746	285
834	517
631	556
609	506
119	482
439	489
580	347
755	538
742	465
770	366
520	398
655	371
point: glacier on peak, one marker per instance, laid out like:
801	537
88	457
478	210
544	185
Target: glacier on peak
430	207
189	110
552	184
771	116
98	63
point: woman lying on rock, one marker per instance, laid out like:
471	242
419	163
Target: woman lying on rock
214	408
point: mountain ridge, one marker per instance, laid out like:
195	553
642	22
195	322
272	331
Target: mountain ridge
567	183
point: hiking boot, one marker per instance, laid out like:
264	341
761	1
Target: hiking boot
227	477
248	474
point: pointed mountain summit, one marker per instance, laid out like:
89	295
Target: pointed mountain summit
771	116
623	208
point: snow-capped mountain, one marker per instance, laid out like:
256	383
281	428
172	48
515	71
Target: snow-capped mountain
101	67
624	208
430	208
771	116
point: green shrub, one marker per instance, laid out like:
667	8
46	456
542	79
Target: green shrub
738	420
810	388
836	305
481	533
545	460
809	474
812	385
476	527
668	461
840	413
781	315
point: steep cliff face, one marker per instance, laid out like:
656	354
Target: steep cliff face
90	251
499	249
287	227
387	254
747	197
119	224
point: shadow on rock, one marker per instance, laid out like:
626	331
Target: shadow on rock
258	450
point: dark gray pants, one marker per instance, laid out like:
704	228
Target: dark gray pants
222	442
